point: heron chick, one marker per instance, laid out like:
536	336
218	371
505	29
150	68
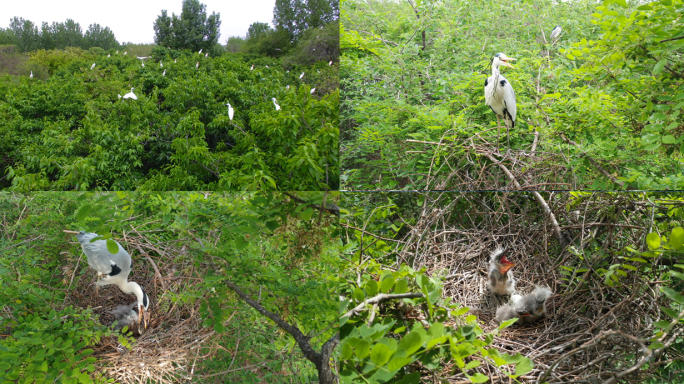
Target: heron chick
125	316
532	307
114	266
501	280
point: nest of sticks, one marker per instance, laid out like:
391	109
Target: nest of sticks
174	340
593	333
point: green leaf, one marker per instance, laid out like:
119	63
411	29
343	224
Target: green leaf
362	349
411	342
659	66
478	378
669	139
112	246
508	323
347	351
371	287
677	238
240	242
387	283
83	212
621	3
672	294
398	362
524	366
661	324
381	354
306	214
401	286
653	240
359	294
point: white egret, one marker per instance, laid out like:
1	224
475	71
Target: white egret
288	87
119	95
117	52
143	64
499	94
175	60
164	74
312	90
114	266
251	69
92	66
231	112
161	64
556	32
206	55
302	75
131	95
108	55
197	65
276	104
267	66
125	52
200	52
330	63
31	76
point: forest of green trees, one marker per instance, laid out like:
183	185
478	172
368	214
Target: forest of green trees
65	126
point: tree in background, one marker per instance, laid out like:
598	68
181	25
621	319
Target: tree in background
27	34
7	36
192	30
96	36
317	44
67	34
233	44
296	16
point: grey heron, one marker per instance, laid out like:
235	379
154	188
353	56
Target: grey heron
556	32
131	95
276	104
532	307
499	95
230	111
501	280
114	266
125	316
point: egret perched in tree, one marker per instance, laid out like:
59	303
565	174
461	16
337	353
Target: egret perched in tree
114	266
501	281
251	69
161	65
276	104
108	55
92	66
330	63
287	88
200	52
206	55
164	74
125	52
267	66
174	61
499	94
31	76
313	90
230	111
197	65
556	32
302	75
119	95
117	52
131	95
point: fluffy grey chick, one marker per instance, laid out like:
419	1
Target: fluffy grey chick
532	307
501	280
508	311
125	316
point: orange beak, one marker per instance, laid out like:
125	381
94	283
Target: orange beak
505	62
506	265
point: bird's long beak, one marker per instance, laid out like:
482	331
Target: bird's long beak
505	62
142	318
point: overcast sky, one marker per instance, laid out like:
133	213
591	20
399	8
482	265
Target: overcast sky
132	20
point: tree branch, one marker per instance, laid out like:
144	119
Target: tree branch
381	297
596	164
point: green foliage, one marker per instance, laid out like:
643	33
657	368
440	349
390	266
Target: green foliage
73	132
192	30
294	17
417	73
316	45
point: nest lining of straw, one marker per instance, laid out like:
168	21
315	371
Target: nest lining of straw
174	340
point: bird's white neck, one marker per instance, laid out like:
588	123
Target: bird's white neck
495	67
133	287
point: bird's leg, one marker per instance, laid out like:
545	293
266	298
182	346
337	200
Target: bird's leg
508	138
498	132
97	283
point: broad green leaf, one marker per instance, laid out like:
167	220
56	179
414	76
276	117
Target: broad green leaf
478	378
672	294
524	366
653	240
677	238
411	342
380	354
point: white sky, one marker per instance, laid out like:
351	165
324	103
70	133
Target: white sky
132	20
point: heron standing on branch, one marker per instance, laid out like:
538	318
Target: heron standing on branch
499	95
556	32
114	266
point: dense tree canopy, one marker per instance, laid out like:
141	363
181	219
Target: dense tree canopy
193	30
296	16
28	37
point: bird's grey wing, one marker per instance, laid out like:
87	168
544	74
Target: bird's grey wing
98	256
489	91
509	100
